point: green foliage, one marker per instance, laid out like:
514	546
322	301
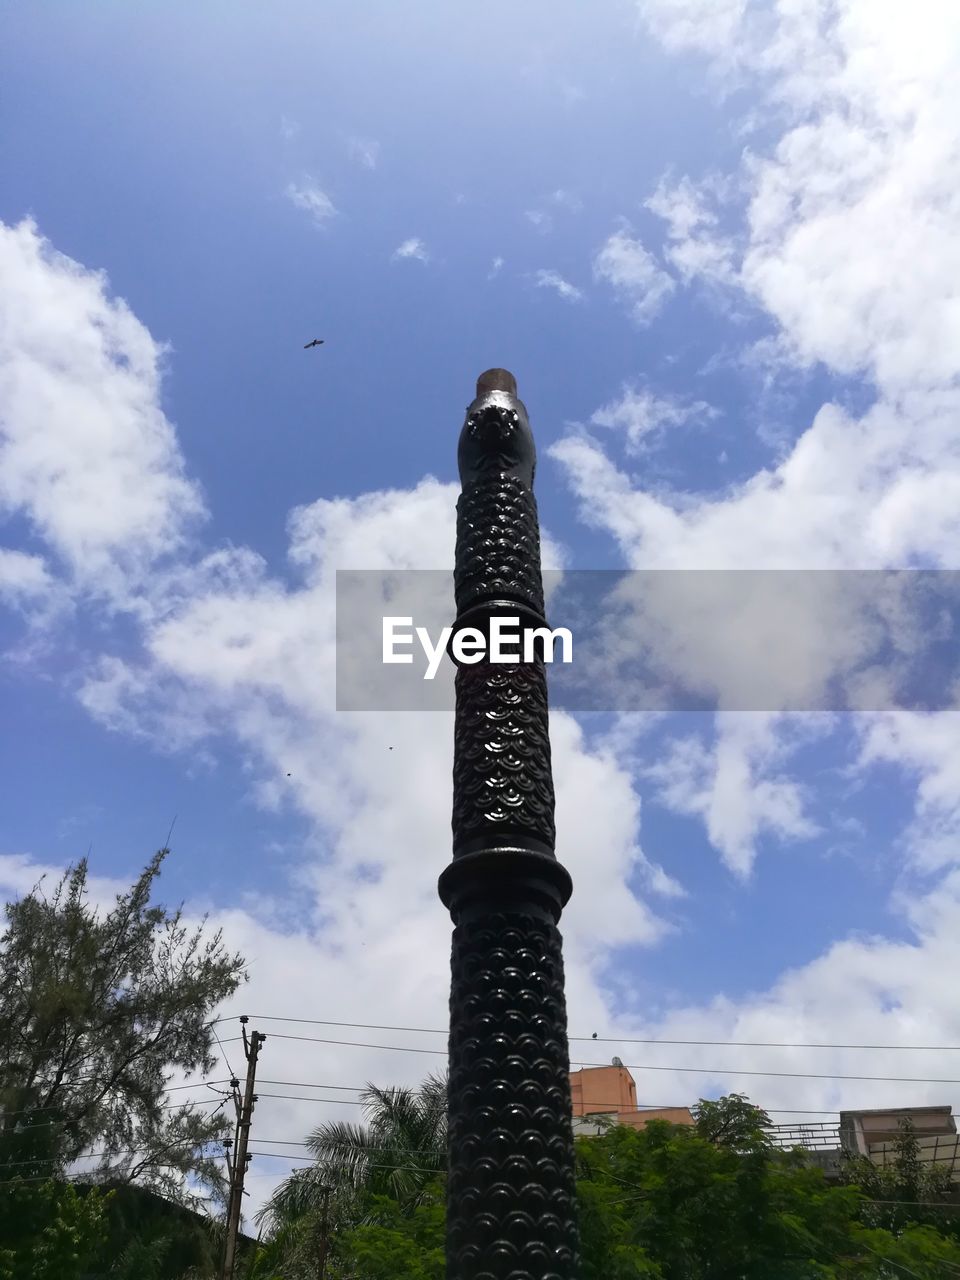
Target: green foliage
394	1244
155	1239
97	1009
733	1122
379	1178
905	1190
396	1153
50	1230
717	1201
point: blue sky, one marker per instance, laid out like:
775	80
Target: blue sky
717	244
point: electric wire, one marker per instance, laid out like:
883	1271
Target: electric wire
745	1044
642	1106
639	1066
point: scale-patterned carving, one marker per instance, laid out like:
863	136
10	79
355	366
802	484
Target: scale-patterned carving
496	437
498	544
512	1196
502	780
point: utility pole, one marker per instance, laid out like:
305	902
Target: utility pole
241	1158
511	1197
326	1234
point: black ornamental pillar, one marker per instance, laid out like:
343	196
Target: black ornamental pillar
511	1201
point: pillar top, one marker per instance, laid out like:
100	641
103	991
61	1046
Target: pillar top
496	436
496	380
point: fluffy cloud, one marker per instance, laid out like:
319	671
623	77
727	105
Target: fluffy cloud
87	456
925	746
554	280
695	247
845	232
624	263
869	492
852	240
413	248
859	991
309	196
735	786
23	577
711	26
640	413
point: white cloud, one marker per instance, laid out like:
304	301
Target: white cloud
849	239
857	991
496	266
413	248
845	232
695	249
20	873
853	218
870	492
554	280
924	747
623	262
86	453
288	128
308	196
736	787
22	576
711	26
640	413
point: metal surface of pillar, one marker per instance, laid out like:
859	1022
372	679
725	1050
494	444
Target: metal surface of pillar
511	1200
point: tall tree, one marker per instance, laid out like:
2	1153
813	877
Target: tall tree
99	1010
907	1188
394	1159
734	1122
50	1231
716	1201
671	1203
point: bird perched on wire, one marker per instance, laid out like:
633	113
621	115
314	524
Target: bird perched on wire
317	342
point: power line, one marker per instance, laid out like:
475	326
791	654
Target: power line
397	1168
744	1044
642	1106
355	1146
123	1151
223	1052
171	1088
639	1066
49	1124
293	1097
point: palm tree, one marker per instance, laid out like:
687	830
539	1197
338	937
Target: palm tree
399	1151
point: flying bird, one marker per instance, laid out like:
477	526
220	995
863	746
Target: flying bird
317	342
